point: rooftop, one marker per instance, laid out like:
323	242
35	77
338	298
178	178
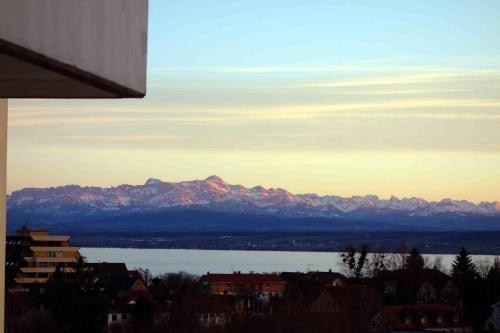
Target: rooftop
242	278
422	315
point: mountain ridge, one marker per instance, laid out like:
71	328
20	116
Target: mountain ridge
213	193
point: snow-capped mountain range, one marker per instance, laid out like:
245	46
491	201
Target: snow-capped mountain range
213	193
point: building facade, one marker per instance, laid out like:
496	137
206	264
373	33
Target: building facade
262	286
425	318
33	256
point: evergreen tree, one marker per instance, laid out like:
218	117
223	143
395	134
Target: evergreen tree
415	261
76	300
473	291
463	269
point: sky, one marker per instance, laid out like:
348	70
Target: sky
334	97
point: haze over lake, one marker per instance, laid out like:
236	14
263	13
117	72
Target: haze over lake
219	261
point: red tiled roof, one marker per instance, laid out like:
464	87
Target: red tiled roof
109	269
242	278
396	315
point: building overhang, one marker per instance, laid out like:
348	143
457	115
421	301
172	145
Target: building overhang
54	248
50	238
49	260
45	269
73	49
25	280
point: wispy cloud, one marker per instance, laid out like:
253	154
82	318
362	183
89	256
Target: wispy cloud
402	79
114	138
452	108
50	121
410	91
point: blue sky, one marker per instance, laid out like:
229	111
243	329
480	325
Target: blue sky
340	97
319	33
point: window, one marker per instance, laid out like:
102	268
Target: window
455	318
423	320
124	316
440	319
407	320
114	317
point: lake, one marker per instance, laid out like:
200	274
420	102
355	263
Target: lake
220	261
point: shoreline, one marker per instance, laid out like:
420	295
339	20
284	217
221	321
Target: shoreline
199	262
267	250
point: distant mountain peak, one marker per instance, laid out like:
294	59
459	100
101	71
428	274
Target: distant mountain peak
152	181
213	193
215	178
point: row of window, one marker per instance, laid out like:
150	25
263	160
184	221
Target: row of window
47	264
251	285
207	316
424	320
54	254
114	316
269	294
14	242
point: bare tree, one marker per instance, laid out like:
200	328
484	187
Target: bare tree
377	261
438	264
483	267
398	259
354	259
145	275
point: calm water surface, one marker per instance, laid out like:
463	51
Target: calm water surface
220	261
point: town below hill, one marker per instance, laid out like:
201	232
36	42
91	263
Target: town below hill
51	288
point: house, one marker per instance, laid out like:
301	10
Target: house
255	307
128	295
125	292
120	316
122	312
218	310
32	256
108	270
425	318
118	281
323	279
493	322
262	286
346	308
328	279
423	286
